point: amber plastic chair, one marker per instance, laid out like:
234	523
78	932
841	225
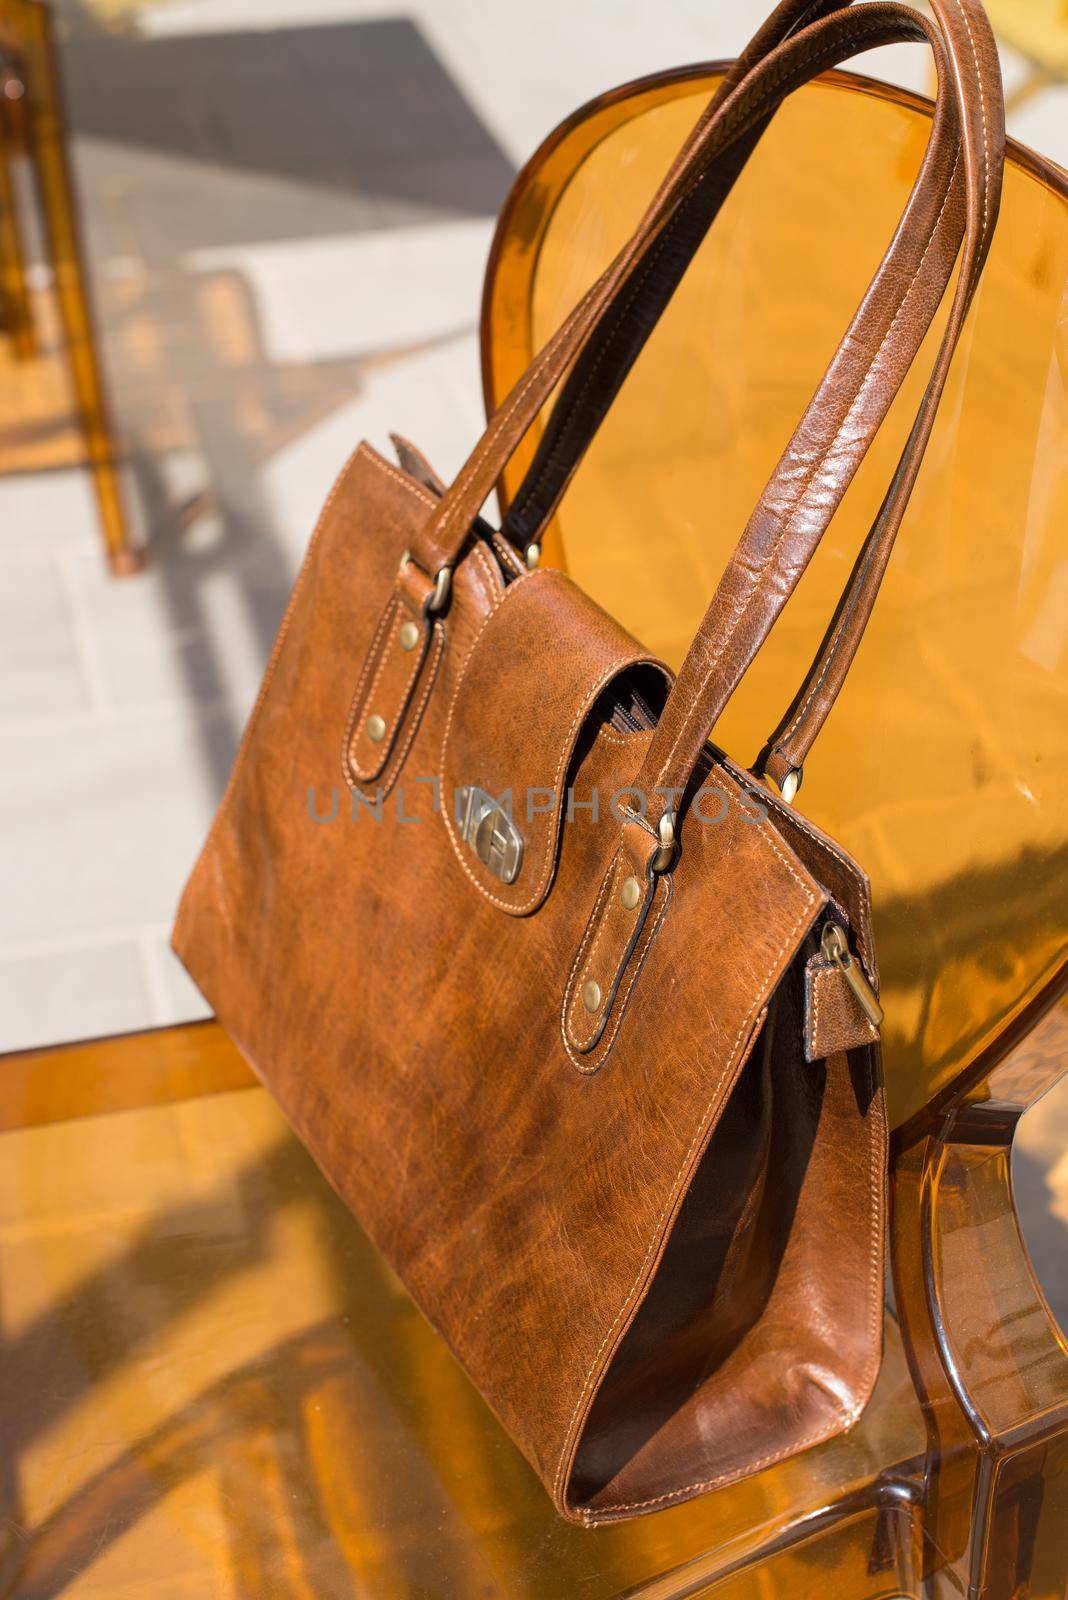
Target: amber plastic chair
209	1382
49	372
944	767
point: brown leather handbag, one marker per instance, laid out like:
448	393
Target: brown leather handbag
579	1016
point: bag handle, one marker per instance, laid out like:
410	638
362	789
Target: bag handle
782	535
797	59
598	375
765	569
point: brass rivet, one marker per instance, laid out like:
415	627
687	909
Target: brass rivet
408	636
376	728
591	995
630	893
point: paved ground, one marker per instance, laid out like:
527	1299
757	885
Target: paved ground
288	208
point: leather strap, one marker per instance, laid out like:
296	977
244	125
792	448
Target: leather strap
598	375
865	375
782	534
798	59
600	372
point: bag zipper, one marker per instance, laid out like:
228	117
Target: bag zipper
834	947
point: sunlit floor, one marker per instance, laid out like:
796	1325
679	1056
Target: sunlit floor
288	208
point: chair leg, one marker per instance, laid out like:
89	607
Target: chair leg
988	1361
49	157
17	313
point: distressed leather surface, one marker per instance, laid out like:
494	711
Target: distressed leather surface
395	683
513	728
412	1031
578	1119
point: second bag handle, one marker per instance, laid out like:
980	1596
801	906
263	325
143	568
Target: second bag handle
609	356
865	381
598	374
798	59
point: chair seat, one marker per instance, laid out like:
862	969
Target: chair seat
212	1385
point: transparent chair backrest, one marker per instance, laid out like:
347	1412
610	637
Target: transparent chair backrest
944	766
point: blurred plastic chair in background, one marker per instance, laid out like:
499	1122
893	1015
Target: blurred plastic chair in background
1038	29
52	398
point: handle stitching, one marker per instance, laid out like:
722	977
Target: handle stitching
982	113
391	771
594	1059
833	645
702	1130
781	742
825	50
385	622
817	462
701	127
586	965
368	773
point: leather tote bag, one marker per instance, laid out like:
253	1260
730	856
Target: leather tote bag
578	1015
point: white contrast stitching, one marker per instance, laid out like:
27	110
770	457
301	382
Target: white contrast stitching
389	774
612	278
982	113
864	932
592	922
402	478
495	584
593	1060
384	622
566	751
814	1035
601	925
734	625
846	1415
673	1196
417	660
391	607
847	614
820	976
585	1041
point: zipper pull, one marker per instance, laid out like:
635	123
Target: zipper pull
834	947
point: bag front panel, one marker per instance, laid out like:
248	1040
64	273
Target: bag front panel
412	1031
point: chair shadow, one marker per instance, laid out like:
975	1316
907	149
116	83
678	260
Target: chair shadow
234	420
229	140
382	1379
362	116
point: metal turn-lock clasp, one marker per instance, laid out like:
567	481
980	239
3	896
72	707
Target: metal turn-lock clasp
489	830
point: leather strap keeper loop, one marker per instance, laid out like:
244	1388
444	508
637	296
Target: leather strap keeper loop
612	933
